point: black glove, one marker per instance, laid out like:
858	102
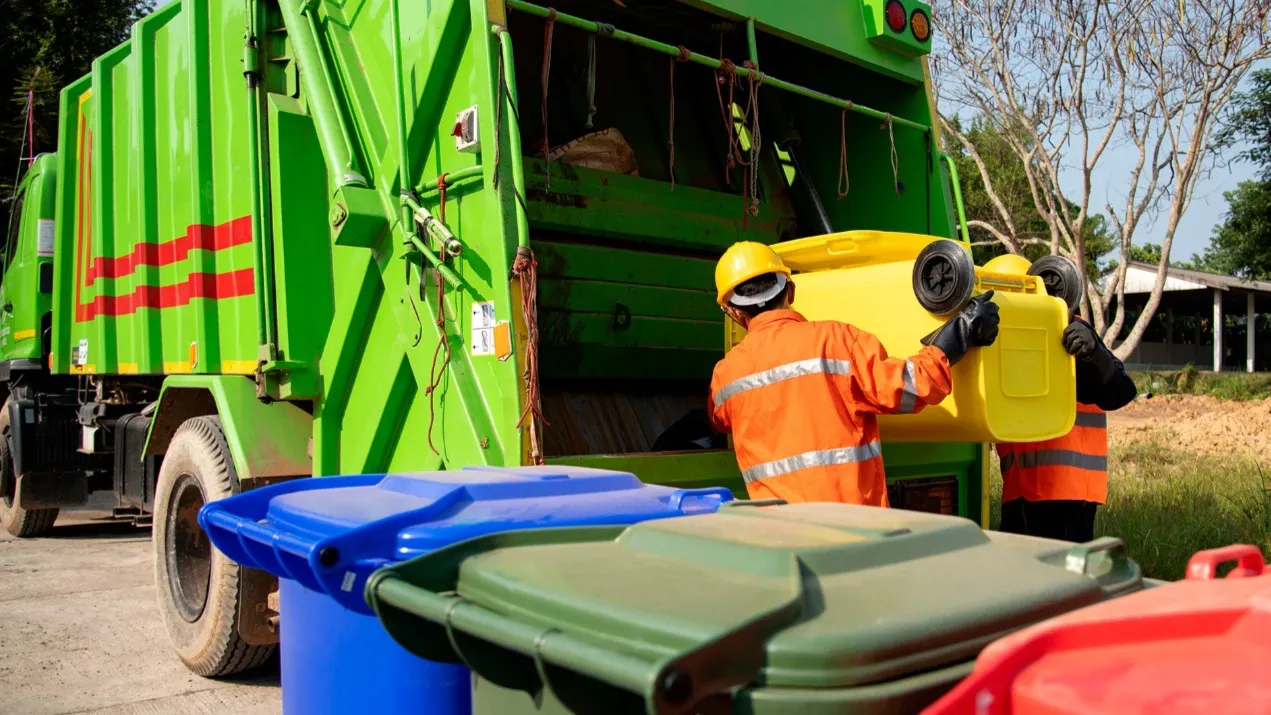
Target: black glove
1083	343
975	326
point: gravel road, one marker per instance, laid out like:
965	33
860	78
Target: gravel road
81	633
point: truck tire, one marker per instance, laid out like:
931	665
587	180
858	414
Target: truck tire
23	523
198	587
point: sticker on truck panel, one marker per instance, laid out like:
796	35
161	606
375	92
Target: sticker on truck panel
44	243
79	355
483	328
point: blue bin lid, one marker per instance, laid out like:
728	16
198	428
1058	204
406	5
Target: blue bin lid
330	533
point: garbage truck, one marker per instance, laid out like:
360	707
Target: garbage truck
293	238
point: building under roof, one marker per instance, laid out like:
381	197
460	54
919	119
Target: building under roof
1206	296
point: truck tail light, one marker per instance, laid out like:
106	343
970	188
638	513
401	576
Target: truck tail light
935	496
920	25
896	16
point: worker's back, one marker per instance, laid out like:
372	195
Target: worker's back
786	395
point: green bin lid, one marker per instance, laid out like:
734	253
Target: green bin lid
827	595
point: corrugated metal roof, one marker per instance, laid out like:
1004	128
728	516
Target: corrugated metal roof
1177	278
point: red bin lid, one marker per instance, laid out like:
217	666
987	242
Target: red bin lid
1201	645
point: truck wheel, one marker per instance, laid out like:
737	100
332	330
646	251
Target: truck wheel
17	521
198	587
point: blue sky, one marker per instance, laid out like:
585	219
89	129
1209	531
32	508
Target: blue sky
1196	226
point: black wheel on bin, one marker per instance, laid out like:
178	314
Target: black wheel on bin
1062	279
23	523
943	277
198	587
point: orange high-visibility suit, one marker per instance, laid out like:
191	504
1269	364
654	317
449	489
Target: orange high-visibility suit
1073	467
801	400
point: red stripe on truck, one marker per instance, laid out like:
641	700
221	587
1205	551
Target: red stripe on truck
198	237
197	285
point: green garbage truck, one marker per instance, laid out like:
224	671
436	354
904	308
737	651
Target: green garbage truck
295	238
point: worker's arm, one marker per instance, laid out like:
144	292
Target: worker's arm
1101	378
885	385
718	417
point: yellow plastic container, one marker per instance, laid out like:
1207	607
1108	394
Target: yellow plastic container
1020	389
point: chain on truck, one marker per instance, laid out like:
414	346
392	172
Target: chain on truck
292	238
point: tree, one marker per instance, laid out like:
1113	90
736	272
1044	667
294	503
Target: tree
1062	81
1241	244
46	45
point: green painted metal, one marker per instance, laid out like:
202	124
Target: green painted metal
703	60
957	195
272	207
27	253
823	608
265	439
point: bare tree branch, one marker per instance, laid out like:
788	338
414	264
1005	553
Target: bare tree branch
1064	81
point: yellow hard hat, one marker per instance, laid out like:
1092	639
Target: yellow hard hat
1009	264
743	261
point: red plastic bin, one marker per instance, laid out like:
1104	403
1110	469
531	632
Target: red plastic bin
1201	645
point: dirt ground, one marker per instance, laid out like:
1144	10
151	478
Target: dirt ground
81	634
1196	424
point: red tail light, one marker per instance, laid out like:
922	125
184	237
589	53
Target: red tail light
897	18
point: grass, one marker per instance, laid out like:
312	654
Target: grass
1167	505
1190	381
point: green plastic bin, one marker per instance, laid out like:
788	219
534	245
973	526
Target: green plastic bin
808	609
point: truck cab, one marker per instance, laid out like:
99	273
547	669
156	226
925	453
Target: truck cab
26	290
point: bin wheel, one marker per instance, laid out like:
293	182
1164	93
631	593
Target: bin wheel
1062	279
22	523
198	587
944	277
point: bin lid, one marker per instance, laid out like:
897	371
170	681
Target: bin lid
1197	646
840	595
330	533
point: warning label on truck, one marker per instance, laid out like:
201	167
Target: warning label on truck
44	244
483	328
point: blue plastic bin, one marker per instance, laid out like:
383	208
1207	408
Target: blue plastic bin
323	537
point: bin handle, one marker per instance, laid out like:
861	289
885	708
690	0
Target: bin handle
1203	565
1078	558
833	247
677	498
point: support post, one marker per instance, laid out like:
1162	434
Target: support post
1217	330
1250	333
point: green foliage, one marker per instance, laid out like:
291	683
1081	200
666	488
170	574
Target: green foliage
48	44
1249	121
1241	245
1010	181
1234	386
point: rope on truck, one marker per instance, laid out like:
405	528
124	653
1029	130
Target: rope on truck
435	376
549	30
895	158
845	180
525	269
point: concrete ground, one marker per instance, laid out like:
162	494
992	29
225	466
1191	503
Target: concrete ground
80	631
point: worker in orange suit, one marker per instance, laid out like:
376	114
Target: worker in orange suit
801	398
1054	488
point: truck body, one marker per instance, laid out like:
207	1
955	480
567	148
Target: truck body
294	238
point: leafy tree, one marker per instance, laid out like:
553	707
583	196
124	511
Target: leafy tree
1241	244
45	45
